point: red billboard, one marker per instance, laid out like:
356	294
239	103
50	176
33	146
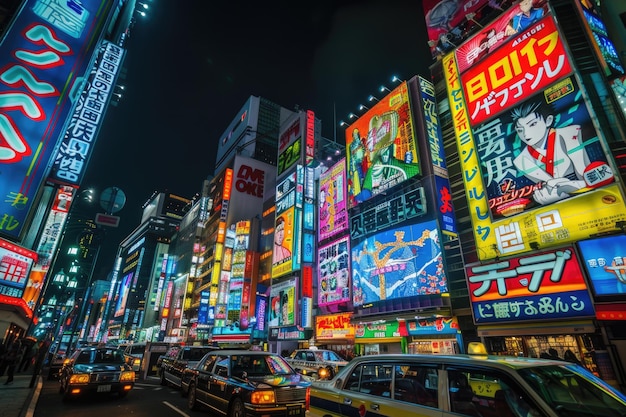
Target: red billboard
525	65
544	285
492	36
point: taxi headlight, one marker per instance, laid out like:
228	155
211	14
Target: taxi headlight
263	397
324	373
127	376
79	379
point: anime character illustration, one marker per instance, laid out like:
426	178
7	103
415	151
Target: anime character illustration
386	170
280	252
554	157
356	172
526	16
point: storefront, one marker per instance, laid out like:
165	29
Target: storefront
434	335
380	336
335	332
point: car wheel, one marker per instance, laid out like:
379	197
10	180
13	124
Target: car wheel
237	409
163	380
191	399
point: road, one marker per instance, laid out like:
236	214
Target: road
147	399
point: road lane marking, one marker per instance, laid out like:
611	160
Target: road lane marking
178	410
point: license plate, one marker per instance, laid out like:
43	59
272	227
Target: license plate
104	388
294	411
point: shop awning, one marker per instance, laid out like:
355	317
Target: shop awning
371	340
529	329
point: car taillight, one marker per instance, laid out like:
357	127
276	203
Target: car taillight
308	397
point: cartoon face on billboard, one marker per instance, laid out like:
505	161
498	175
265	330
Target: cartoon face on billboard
382	147
540	152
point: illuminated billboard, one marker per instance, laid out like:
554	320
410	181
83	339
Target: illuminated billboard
382	147
446	21
333	285
283	303
333	213
510	23
124	290
286	253
605	261
70	162
523	66
540	152
545	226
48	47
605	49
545	285
15	265
290	146
401	262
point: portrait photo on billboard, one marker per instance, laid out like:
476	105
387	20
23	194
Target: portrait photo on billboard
400	262
540	152
283	237
282	304
382	147
333	268
605	262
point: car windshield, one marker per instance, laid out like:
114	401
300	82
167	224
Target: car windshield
573	391
260	365
100	356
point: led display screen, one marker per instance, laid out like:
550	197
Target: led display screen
122	297
401	262
605	262
333	268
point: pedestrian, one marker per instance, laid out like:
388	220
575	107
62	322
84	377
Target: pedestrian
30	351
11	359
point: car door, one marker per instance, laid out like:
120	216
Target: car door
374	389
203	378
218	394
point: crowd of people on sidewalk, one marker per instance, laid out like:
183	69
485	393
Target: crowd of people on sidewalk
17	356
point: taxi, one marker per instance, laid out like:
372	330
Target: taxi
476	384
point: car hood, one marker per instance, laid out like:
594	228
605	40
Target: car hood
278	380
98	367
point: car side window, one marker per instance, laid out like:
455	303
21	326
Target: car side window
479	392
416	384
221	366
372	379
208	364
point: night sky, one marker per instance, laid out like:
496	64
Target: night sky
192	64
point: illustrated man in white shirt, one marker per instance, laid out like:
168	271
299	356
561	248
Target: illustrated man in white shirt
554	158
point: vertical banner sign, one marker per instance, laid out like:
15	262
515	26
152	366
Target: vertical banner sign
310	136
78	142
333	213
48	47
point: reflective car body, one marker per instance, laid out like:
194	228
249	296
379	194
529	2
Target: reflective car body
239	383
96	370
397	385
316	363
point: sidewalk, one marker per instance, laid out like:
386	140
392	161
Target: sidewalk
19	399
